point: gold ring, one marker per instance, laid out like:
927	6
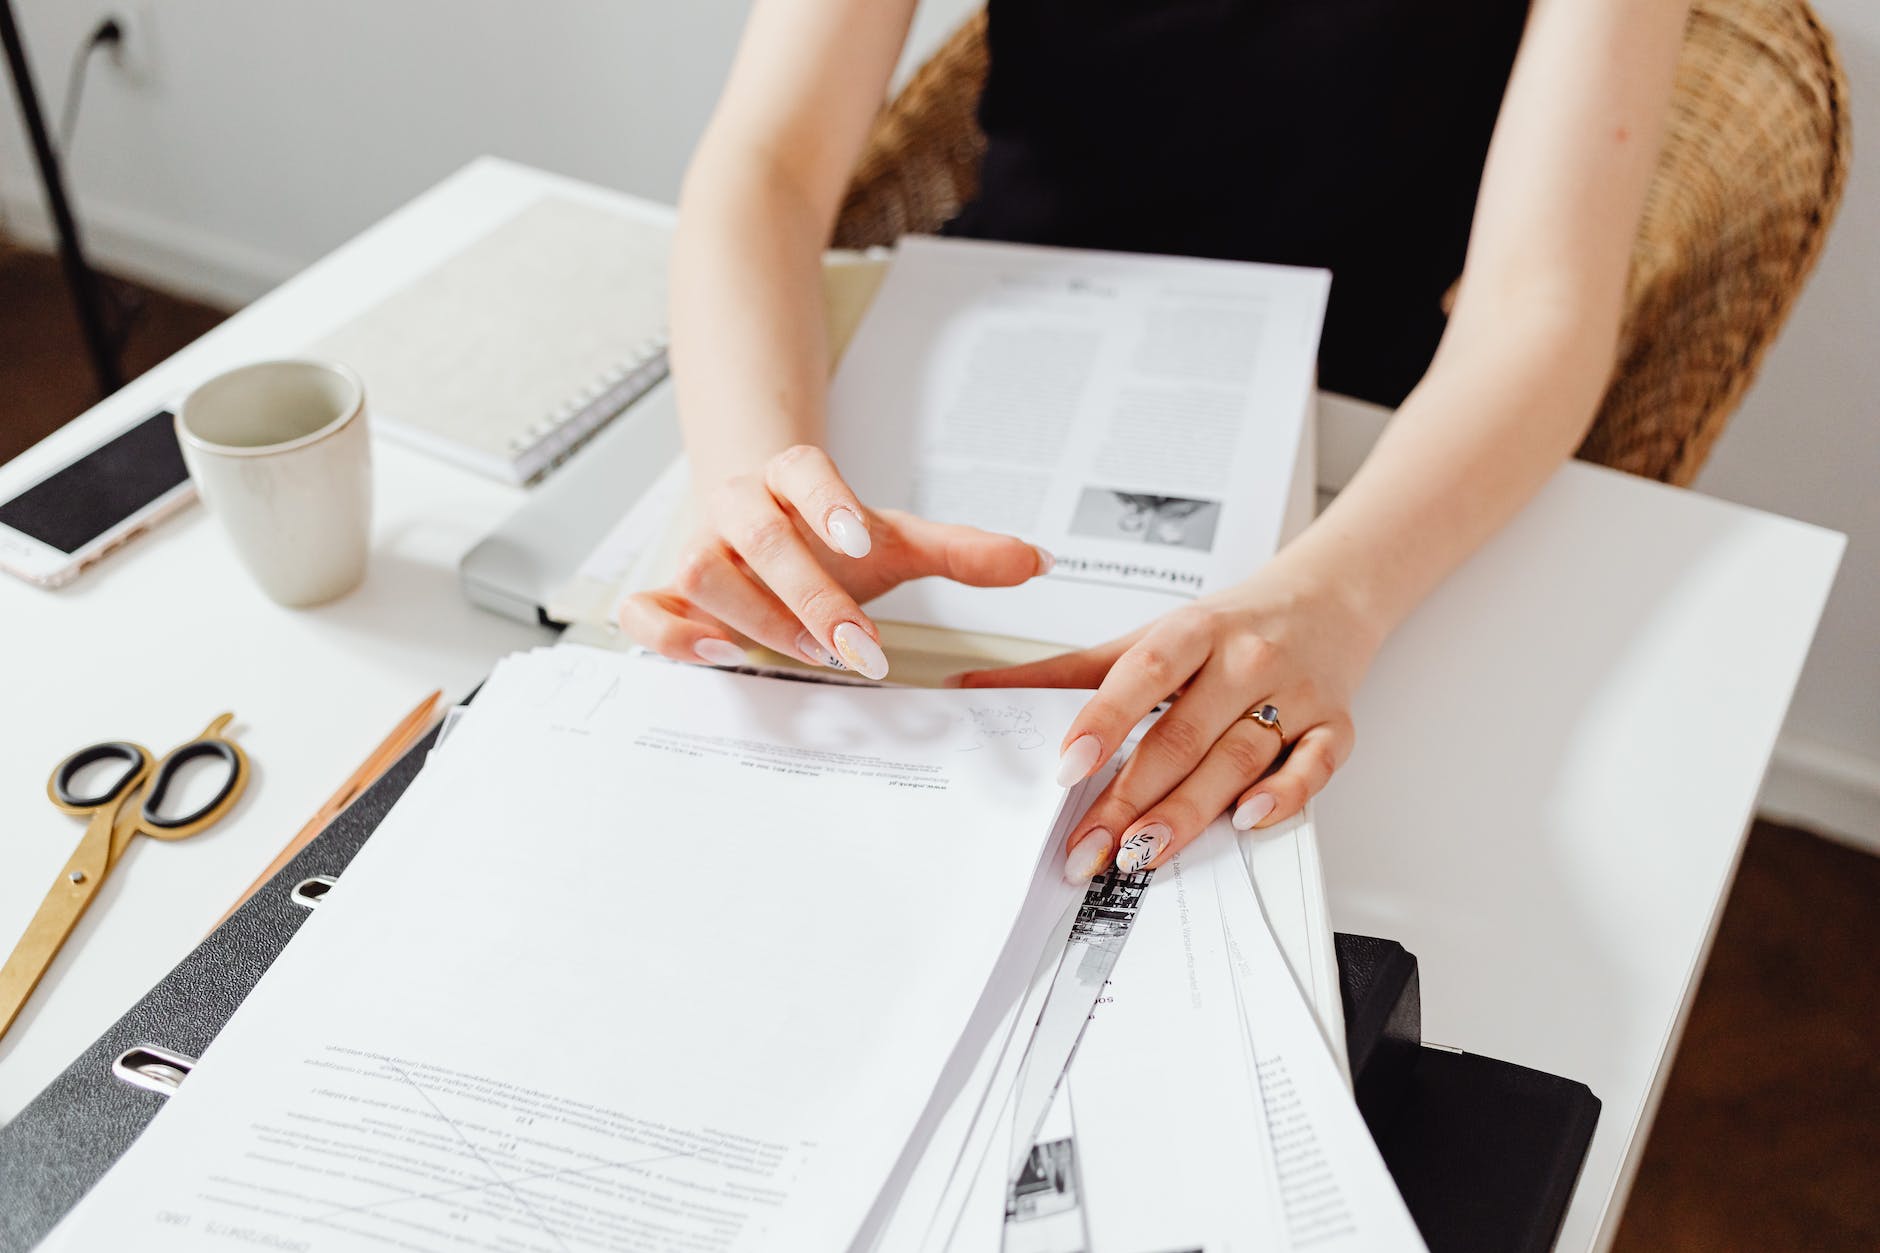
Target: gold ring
1266	716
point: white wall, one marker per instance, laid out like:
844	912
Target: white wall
247	137
1807	444
244	138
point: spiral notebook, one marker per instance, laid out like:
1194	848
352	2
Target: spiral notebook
509	355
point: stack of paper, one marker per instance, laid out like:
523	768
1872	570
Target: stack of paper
653	957
1203	1109
648	957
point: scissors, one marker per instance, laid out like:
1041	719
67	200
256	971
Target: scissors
128	804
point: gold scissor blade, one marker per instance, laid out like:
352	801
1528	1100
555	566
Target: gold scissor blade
57	915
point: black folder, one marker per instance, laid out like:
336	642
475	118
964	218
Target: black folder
1485	1153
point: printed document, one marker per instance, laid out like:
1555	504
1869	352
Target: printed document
1208	1112
648	957
1139	417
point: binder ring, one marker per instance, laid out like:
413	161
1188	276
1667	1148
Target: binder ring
153	1069
310	892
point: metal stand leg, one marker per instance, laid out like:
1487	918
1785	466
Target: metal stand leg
79	279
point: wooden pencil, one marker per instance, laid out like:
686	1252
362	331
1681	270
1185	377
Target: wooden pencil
409	730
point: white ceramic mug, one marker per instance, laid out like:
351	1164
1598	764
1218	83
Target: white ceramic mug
279	453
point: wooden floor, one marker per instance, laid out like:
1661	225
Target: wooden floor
45	378
1769	1134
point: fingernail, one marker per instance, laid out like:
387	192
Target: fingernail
860	652
1046	562
846	529
1142	848
1256	807
953	680
719	653
1089	855
816	653
1078	760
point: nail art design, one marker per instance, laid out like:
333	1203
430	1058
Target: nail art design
860	652
814	652
1089	855
848	533
1142	848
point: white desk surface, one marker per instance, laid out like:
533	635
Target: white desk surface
1558	757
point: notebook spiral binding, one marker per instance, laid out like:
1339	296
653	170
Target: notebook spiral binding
551	439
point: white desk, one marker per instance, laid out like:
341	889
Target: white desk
1559	755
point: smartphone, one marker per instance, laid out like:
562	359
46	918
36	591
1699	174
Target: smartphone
90	505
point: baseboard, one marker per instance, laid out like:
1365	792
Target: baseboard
1825	789
174	258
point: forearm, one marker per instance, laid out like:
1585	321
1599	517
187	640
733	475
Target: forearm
748	343
1530	347
1490	423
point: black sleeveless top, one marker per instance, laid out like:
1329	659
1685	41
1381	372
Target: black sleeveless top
1348	134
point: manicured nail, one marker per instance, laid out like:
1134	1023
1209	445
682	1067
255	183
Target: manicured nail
816	653
1089	855
719	653
953	680
1256	807
1078	760
1046	562
860	652
849	534
1142	848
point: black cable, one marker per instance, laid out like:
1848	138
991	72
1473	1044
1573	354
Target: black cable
105	33
124	303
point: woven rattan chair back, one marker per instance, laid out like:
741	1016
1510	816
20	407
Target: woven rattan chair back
1751	174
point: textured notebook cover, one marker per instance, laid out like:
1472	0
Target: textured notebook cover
485	356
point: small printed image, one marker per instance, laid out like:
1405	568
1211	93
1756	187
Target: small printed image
1176	521
1046	1185
1110	904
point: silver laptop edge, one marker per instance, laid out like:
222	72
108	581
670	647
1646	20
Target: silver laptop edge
538	548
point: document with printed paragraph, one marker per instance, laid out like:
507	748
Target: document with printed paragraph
1140	417
657	957
1145	419
1203	1110
648	957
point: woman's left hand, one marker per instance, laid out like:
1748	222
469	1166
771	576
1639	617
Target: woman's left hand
1269	641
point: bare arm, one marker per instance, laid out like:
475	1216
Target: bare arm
786	554
1512	390
755	214
1529	347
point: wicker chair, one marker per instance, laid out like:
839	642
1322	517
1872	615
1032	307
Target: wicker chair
1749	180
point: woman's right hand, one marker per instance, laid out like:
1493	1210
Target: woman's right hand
787	557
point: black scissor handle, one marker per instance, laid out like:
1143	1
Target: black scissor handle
166	774
133	757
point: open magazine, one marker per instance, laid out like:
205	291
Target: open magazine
1147	420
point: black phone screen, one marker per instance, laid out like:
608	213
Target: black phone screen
76	505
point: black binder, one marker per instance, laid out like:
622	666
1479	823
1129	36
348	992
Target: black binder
1485	1153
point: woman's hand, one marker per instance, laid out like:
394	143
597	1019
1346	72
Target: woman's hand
787	557
1269	641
